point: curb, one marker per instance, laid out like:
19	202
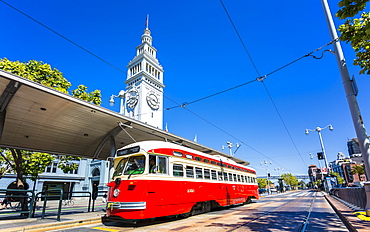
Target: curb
55	225
341	216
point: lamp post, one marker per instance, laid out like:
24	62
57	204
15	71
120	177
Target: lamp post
267	174
354	108
318	130
120	95
278	170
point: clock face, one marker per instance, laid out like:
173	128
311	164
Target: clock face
132	98
152	101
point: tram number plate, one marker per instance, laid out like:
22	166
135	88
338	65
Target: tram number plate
191	190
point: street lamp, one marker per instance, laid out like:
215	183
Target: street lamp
278	170
120	95
267	174
230	146
318	130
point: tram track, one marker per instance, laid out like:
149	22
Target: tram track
305	220
293	211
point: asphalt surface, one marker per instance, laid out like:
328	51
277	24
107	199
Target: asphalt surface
78	215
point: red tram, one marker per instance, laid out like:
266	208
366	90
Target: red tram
155	179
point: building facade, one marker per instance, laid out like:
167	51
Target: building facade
344	165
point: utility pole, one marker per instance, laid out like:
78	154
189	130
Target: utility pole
352	102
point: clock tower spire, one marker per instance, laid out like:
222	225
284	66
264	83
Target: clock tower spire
144	83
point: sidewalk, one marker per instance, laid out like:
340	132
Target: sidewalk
71	216
348	215
69	220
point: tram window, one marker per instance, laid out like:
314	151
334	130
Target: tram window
234	175
189	156
225	176
206	161
219	176
119	167
214	175
162	165
198	158
207	175
213	162
135	165
189	171
178	170
177	153
199	173
230	177
239	178
242	178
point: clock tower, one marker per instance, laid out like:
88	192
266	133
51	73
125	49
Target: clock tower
144	90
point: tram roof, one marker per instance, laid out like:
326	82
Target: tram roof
37	118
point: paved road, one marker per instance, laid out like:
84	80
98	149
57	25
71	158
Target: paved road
292	211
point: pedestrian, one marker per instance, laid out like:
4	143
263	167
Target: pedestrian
7	201
104	199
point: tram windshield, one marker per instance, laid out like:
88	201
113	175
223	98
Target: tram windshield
130	165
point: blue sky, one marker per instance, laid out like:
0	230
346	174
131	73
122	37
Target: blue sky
201	55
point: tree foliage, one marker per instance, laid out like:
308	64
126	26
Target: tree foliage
289	179
349	8
262	182
359	170
66	163
340	179
31	164
356	31
44	74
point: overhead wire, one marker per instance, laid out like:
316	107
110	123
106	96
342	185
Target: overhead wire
62	36
259	78
262	80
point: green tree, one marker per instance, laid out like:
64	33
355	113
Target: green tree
358	169
340	179
290	180
262	182
356	31
66	163
301	183
31	164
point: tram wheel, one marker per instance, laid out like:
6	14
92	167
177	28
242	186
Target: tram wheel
207	206
248	201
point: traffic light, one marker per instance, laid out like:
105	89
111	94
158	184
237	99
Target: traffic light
268	174
320	155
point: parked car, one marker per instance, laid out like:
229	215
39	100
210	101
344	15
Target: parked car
261	190
273	190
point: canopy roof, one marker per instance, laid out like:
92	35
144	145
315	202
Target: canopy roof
37	118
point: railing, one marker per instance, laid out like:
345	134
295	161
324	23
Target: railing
23	199
60	195
354	196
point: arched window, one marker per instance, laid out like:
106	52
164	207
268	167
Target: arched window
96	172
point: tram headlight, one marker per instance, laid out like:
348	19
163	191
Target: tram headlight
116	192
